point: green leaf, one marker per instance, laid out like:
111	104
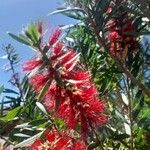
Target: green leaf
137	33
72	15
10	91
41	107
29	141
67	10
22	135
121	136
7	102
2	121
139	102
12	114
44	90
12	98
60	123
21	39
1	89
120	115
146	113
32	33
38	122
23	125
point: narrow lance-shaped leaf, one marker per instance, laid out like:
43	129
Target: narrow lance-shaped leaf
38	122
44	90
10	91
41	107
29	141
1	89
22	135
20	39
66	10
12	114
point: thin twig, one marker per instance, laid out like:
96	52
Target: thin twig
130	116
11	62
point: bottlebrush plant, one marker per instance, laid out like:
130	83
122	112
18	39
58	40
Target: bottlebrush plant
121	42
90	80
70	93
64	88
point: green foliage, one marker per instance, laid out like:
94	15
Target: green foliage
127	104
11	114
127	110
31	36
20	39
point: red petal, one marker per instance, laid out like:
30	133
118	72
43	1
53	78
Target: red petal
55	36
40	27
79	145
38	81
36	145
32	64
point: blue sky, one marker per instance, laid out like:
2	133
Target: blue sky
15	14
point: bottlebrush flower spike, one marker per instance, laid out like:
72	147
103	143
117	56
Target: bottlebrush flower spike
57	50
55	140
71	96
120	42
68	60
79	145
38	81
40	28
32	64
78	103
55	36
114	36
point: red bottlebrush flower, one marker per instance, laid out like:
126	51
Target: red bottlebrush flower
80	100
65	143
50	136
79	145
129	40
114	36
71	96
68	60
67	57
55	140
32	64
55	36
78	78
40	29
38	81
49	99
91	109
118	38
57	50
67	112
58	59
115	49
120	42
36	145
